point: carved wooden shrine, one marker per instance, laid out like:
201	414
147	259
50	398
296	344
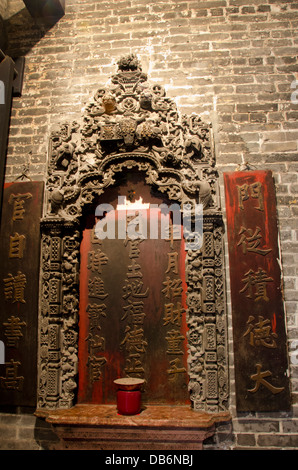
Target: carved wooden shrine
129	128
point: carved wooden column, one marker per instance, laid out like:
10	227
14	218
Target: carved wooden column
206	318
58	313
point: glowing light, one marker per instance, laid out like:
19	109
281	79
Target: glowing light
136	206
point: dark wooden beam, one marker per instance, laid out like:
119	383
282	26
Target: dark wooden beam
3	34
7	75
45	8
18	79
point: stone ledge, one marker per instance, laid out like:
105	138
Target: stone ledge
151	415
158	427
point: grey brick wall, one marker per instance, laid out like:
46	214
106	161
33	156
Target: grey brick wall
23	431
231	61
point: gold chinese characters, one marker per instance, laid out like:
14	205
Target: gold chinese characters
14	288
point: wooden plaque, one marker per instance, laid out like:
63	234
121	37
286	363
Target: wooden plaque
19	282
259	333
132	317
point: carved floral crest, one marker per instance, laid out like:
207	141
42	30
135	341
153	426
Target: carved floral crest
131	122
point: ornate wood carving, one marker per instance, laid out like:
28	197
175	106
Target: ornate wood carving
130	124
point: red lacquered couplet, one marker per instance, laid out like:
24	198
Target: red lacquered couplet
260	341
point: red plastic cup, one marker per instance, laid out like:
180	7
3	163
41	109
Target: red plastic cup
128	402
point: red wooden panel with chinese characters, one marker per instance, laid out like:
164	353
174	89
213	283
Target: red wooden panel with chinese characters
259	333
132	317
19	251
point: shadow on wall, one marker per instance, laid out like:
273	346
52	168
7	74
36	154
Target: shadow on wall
23	32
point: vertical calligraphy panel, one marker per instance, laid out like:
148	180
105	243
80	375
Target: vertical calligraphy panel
163	266
19	282
139	323
260	342
102	272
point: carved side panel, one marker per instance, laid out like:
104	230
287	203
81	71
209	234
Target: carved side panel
195	337
58	315
208	366
221	321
